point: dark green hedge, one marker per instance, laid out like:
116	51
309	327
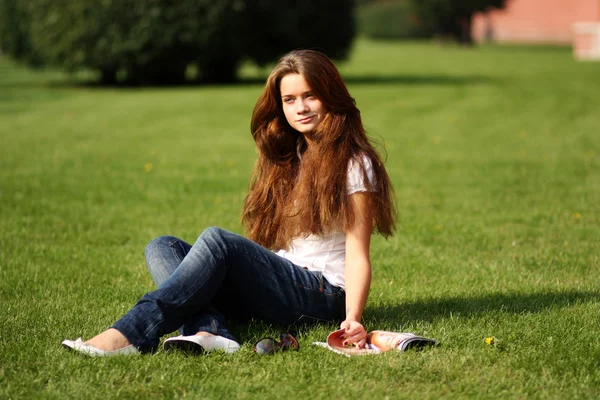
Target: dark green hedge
15	40
156	41
277	26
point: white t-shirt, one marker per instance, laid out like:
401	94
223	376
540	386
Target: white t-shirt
327	253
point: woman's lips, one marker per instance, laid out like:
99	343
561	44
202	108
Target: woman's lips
305	120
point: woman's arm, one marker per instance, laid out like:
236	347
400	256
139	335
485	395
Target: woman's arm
358	269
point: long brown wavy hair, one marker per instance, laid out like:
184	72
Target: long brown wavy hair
289	197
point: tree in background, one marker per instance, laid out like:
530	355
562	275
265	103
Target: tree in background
391	19
14	32
162	41
274	27
387	19
453	18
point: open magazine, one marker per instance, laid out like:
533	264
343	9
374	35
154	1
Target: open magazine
377	342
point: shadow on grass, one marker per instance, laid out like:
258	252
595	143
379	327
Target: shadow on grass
427	311
435	80
515	303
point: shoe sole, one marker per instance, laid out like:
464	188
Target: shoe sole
68	347
184	346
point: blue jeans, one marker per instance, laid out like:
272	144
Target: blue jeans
224	275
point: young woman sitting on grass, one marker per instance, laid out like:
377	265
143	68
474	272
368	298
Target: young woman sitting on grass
317	192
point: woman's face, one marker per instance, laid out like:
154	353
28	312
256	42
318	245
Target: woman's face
303	111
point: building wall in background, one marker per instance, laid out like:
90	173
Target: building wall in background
575	22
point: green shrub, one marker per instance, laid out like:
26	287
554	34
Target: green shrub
391	20
278	26
157	41
14	31
146	41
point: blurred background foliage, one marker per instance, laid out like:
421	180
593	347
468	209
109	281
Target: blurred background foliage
153	42
452	19
167	41
402	19
394	19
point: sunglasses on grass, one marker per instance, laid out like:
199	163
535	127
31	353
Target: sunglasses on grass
271	346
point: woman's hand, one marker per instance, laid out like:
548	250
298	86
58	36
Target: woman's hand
354	333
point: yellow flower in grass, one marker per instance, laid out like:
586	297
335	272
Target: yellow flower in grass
577	216
148	167
489	341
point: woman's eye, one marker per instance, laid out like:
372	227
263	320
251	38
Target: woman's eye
288	100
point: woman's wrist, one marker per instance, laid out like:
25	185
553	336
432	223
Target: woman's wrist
353	317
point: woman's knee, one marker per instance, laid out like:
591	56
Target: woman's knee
158	246
212	232
163	257
217	241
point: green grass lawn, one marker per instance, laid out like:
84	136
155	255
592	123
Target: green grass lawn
494	154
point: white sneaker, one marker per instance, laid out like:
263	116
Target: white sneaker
201	344
87	349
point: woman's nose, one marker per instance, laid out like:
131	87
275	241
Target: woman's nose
301	106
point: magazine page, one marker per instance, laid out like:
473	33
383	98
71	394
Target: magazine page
377	342
336	343
401	341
